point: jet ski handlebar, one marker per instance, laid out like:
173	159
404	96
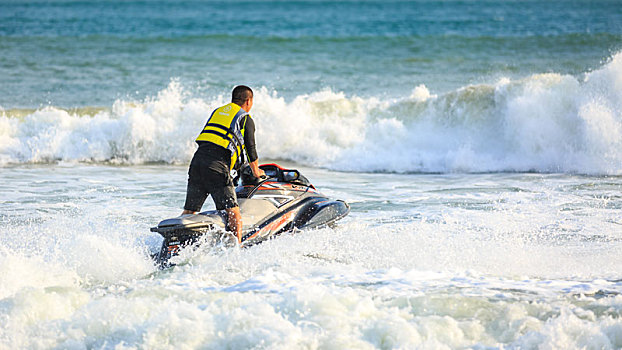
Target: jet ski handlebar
275	173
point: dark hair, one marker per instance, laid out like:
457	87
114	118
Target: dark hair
240	94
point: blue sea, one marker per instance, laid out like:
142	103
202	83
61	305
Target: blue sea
479	144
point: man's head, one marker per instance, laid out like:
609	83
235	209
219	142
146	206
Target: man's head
242	96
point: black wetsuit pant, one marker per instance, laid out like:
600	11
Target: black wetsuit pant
209	174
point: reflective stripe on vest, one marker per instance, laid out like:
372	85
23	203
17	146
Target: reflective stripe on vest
223	129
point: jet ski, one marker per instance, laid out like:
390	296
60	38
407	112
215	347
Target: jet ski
283	201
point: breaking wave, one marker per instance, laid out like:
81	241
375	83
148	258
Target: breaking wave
543	123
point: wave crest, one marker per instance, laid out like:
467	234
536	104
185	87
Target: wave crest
544	122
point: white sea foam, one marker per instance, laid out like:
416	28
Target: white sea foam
544	122
484	261
283	298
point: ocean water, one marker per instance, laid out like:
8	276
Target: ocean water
479	144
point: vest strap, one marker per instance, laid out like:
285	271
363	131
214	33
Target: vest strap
217	133
233	139
214	125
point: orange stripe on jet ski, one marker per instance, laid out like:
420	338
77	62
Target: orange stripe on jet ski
275	225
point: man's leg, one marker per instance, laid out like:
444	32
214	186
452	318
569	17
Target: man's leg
196	193
220	186
234	222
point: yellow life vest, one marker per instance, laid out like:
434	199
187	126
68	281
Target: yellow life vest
223	129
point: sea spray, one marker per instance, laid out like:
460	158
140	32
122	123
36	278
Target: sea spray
542	123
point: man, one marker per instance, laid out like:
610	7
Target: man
227	135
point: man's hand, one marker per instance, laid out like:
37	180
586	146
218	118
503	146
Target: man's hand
261	174
256	171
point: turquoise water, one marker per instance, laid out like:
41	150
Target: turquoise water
81	53
464	86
